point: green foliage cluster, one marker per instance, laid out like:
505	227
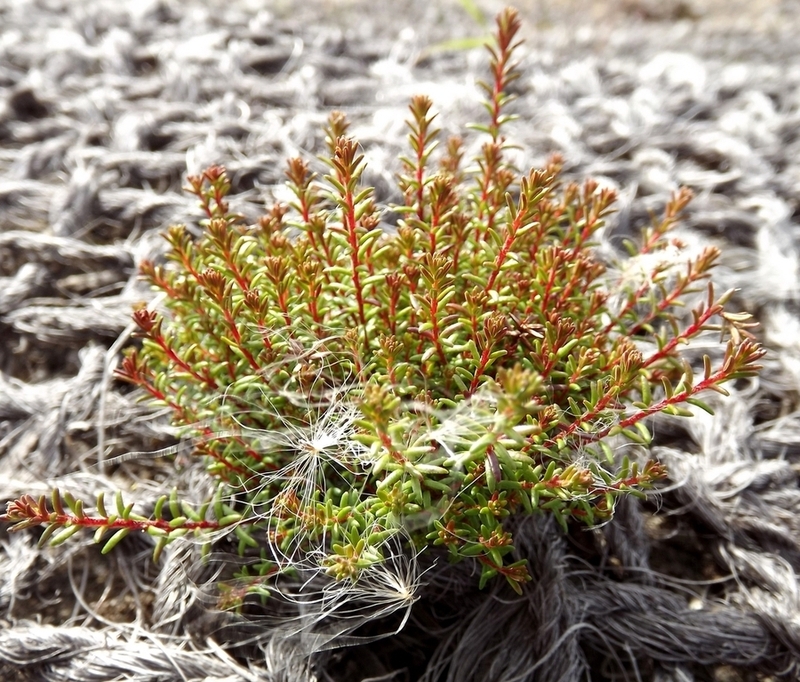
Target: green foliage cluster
345	381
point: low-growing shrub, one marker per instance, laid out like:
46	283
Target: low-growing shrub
361	391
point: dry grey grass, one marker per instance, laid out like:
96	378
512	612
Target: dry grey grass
105	105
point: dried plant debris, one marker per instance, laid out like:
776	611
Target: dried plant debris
104	110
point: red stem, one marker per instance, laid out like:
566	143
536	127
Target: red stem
237	337
132	524
182	364
554	269
693	329
501	256
435	330
419	174
481	369
352	238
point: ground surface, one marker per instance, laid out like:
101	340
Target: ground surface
105	106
